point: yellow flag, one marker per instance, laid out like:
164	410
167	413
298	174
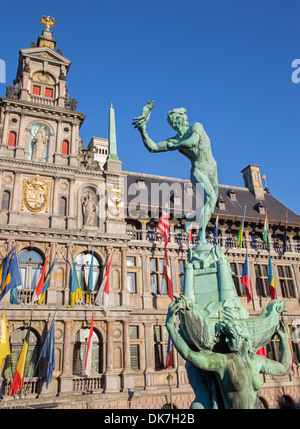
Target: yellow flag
4	341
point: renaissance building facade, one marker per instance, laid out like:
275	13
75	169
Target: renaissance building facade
64	201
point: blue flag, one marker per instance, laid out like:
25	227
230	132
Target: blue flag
9	273
48	352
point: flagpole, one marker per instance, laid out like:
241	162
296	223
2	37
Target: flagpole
28	333
38	361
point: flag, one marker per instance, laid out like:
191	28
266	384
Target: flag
88	359
285	234
262	352
14	296
90	285
169	354
103	294
76	291
216	230
241	231
46	284
271	280
39	287
191	230
19	374
266	233
48	352
246	278
167	275
4	341
9	273
293	369
163	224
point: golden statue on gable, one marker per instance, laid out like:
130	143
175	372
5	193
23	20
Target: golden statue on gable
48	22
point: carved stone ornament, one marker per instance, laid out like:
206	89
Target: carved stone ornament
35	194
115	201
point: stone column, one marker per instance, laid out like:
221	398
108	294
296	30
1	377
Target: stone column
110	379
146	296
51	291
55	216
5	127
68	273
73	149
71	206
66	377
149	364
127	377
19	151
16	200
57	153
125	294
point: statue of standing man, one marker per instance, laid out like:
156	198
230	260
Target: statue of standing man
193	142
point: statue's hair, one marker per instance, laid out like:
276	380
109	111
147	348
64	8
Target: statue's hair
173	115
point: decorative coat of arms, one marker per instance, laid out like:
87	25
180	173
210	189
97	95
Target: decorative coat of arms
115	201
35	194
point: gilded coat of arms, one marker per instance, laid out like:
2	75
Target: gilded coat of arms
35	194
115	201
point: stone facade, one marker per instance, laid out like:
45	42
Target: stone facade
63	200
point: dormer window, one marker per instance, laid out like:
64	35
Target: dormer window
260	208
231	194
49	92
43	85
221	203
36	90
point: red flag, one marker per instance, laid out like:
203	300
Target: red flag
102	297
262	352
246	279
169	354
19	374
88	359
39	287
167	275
163	224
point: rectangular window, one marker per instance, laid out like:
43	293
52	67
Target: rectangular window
181	264
130	261
131	282
286	281
237	272
157	281
36	90
134	356
261	280
161	337
49	92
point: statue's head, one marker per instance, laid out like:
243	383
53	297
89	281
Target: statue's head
236	335
177	117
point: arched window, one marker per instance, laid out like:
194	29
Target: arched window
65	147
16	343
31	264
5	200
80	350
12	137
63	206
83	266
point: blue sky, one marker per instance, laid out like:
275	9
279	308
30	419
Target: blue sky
227	62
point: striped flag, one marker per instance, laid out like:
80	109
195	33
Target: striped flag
241	231
19	374
246	278
4	341
46	284
39	287
271	281
76	291
262	352
163	224
266	233
48	352
167	275
169	354
88	359
102	297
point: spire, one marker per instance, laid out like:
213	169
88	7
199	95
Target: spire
112	139
113	163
